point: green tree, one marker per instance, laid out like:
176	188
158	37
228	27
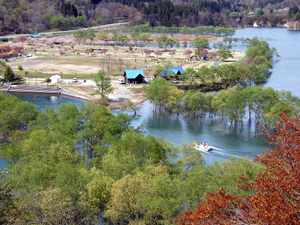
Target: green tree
55	207
175	97
119	37
99	188
191	158
102	35
195	102
15	114
149	197
103	83
225	53
8	74
8	203
133	151
157	91
145	37
134	36
206	75
231	103
165	41
200	43
48	80
228	74
219	176
20	68
85	34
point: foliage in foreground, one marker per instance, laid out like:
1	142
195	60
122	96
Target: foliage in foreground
75	164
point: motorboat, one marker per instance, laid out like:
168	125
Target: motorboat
204	147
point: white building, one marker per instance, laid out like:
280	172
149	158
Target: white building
55	79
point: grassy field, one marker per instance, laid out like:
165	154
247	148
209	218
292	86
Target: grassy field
81	62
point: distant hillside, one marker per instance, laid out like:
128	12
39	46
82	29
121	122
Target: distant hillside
25	16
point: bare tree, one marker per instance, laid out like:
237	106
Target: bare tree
120	65
108	64
147	52
172	53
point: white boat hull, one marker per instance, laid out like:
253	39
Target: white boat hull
203	148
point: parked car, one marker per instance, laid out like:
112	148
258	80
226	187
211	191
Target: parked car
122	81
4	39
75	80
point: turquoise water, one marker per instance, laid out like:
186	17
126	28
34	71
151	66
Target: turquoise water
231	141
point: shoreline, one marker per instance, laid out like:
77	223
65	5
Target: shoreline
47	90
65	92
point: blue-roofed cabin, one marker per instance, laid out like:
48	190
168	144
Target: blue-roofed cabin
134	76
172	72
35	35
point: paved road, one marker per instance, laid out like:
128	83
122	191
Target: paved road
216	64
67	31
81	81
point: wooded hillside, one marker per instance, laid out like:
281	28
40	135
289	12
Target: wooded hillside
28	16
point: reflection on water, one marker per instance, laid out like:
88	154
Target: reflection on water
44	101
232	140
3	163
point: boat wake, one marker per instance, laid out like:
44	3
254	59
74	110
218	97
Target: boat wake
217	149
222	152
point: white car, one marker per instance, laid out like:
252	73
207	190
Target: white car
75	80
122	81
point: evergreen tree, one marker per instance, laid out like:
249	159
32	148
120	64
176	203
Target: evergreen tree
8	74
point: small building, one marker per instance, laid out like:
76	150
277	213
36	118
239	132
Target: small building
134	76
172	72
35	35
55	79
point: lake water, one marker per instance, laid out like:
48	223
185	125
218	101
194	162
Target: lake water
236	142
286	71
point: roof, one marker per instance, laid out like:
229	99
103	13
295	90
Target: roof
172	71
35	35
132	74
55	77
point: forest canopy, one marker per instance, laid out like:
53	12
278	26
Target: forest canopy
24	16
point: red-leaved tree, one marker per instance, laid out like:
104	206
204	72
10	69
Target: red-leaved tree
276	191
157	53
188	52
